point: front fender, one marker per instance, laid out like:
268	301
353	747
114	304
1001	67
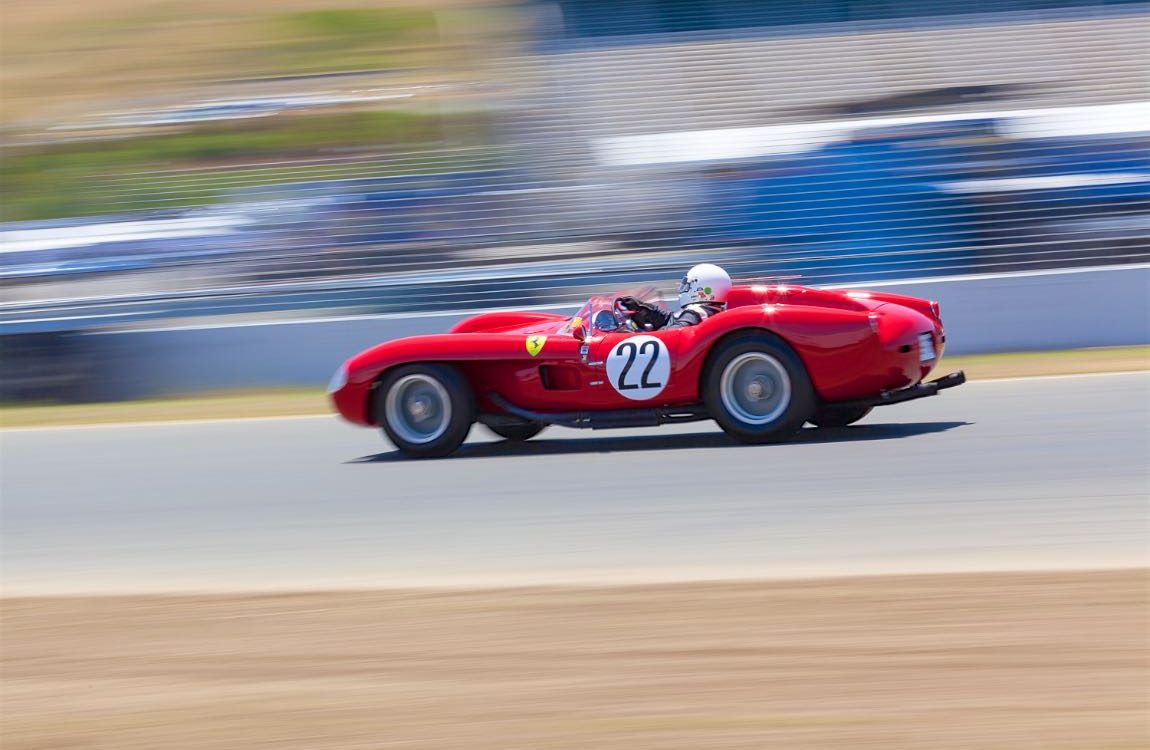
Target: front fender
501	321
364	370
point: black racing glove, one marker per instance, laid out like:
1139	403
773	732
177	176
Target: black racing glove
647	317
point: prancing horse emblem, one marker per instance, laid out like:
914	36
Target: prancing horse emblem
535	344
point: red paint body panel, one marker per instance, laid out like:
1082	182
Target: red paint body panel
853	344
498	321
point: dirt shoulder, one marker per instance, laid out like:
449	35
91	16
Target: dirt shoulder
1033	364
303	402
240	405
1042	660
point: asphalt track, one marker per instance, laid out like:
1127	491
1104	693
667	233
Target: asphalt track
1023	474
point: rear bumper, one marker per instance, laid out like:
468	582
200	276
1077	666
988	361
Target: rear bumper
922	390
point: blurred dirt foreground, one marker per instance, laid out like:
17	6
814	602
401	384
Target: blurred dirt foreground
1042	660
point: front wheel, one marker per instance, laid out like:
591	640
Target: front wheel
425	410
839	416
757	389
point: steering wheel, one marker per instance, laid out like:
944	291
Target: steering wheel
642	319
625	316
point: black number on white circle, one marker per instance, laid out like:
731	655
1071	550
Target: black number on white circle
648	349
639	367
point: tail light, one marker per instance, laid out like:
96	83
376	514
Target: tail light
873	320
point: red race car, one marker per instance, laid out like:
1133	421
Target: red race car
777	357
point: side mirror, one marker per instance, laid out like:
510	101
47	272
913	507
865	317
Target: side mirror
579	332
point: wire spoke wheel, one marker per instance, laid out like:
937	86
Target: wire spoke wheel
418	408
425	409
755	388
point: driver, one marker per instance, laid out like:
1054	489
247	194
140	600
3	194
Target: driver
702	293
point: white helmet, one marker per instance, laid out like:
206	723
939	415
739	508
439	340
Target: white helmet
704	283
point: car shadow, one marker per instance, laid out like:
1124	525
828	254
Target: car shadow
655	442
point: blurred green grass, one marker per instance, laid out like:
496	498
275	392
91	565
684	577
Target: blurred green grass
63	58
103	177
323	41
122	55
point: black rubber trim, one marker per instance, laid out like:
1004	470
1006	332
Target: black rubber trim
922	390
603	420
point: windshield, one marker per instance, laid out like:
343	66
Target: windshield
598	312
594	312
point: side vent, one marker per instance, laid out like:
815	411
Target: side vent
559	378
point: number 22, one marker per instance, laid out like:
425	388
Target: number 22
632	351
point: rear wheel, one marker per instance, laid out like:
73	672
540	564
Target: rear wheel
425	410
839	416
517	432
757	389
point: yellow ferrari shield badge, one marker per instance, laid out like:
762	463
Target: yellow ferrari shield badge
535	344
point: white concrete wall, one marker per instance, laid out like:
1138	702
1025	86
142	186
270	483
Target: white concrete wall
1009	312
1040	311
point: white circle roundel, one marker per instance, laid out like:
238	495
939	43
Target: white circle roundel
639	367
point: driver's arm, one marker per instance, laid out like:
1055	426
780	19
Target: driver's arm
687	317
644	315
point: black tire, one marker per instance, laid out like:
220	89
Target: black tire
768	392
426	410
839	416
517	432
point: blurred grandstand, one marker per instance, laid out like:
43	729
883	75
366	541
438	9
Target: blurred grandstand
839	140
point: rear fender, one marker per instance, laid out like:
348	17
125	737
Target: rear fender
832	344
926	307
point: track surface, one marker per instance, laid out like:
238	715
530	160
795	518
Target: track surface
1025	474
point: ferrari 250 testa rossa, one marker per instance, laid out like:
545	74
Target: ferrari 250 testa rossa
777	357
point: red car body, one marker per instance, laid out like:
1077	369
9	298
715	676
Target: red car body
855	346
